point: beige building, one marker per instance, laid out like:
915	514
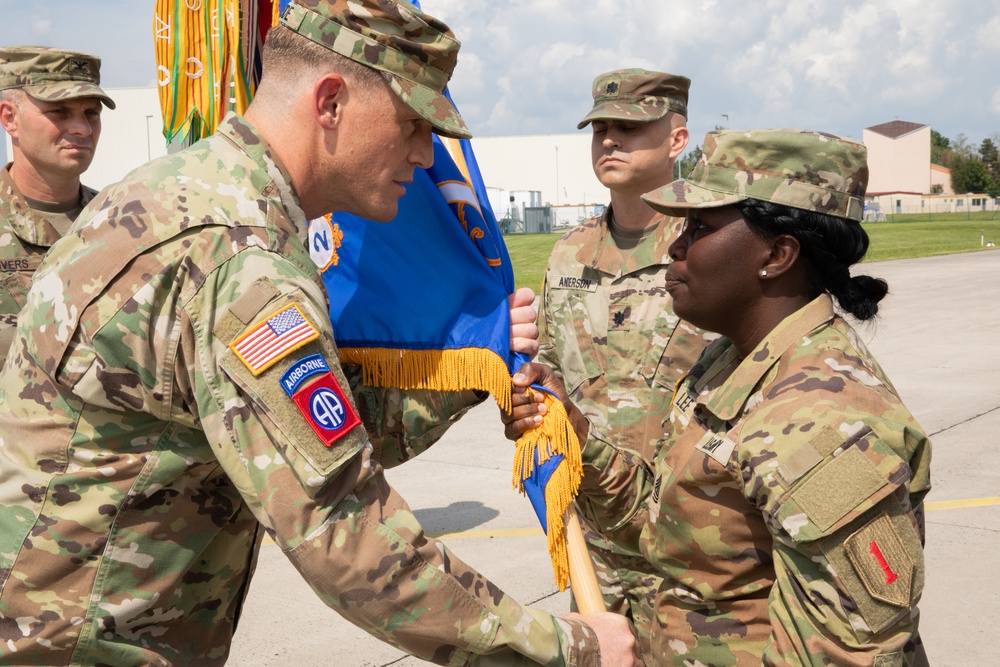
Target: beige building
899	165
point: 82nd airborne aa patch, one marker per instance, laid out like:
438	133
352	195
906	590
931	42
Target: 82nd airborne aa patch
325	407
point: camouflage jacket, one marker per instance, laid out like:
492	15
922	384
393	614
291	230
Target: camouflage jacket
173	392
606	327
25	237
785	510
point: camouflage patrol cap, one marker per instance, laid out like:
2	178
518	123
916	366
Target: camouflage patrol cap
637	95
803	169
418	50
50	75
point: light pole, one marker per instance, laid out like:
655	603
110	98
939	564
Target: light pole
726	116
149	148
557	175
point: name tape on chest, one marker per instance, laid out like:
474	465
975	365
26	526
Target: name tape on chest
322	402
574	282
19	264
274	338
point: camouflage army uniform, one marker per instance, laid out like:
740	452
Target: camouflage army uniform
784	514
25	234
144	446
25	237
607	329
784	506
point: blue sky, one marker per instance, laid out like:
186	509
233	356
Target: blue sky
526	66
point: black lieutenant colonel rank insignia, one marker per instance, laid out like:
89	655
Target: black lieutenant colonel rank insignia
612	88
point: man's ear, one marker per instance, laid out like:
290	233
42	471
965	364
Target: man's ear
679	137
785	251
8	118
329	96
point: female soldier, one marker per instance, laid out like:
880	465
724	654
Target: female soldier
785	508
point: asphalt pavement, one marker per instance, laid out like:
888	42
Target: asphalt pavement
938	339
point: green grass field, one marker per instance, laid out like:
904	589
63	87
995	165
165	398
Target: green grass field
903	237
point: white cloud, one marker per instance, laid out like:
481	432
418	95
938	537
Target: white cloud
526	66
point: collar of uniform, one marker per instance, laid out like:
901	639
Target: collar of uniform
608	258
29	226
728	399
238	130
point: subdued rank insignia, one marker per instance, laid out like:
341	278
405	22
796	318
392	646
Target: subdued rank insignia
79	65
326	409
270	341
612	88
619	318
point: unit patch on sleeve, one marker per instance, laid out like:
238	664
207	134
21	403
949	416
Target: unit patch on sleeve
322	401
270	341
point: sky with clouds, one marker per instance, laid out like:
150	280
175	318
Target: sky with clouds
526	66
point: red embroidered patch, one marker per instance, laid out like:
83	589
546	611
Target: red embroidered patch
326	409
890	576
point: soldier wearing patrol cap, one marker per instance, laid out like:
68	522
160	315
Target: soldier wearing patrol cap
50	105
174	392
785	508
605	322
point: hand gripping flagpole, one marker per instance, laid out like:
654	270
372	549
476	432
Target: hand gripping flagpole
548	469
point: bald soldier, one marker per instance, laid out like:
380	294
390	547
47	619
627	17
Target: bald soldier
174	392
606	325
50	105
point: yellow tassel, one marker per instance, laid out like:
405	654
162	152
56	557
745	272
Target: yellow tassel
442	370
554	436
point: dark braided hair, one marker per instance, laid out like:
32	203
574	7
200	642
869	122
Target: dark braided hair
830	246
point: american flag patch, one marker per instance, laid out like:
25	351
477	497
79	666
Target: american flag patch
270	341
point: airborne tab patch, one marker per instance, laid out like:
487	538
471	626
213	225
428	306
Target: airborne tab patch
302	370
326	409
270	341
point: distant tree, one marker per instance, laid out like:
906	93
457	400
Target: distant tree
937	189
969	174
684	165
961	146
989	154
940	148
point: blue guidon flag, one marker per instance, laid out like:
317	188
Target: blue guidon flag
421	303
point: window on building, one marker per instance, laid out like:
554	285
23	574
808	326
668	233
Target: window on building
975	202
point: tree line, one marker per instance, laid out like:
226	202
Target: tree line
972	169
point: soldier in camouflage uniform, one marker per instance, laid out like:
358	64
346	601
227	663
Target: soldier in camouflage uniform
605	321
50	105
173	391
785	513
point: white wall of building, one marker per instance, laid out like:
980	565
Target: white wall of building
131	135
556	165
901	164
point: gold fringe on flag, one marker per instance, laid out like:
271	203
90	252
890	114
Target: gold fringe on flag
554	436
442	370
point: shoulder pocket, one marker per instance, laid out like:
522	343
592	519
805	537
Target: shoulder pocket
846	478
302	392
